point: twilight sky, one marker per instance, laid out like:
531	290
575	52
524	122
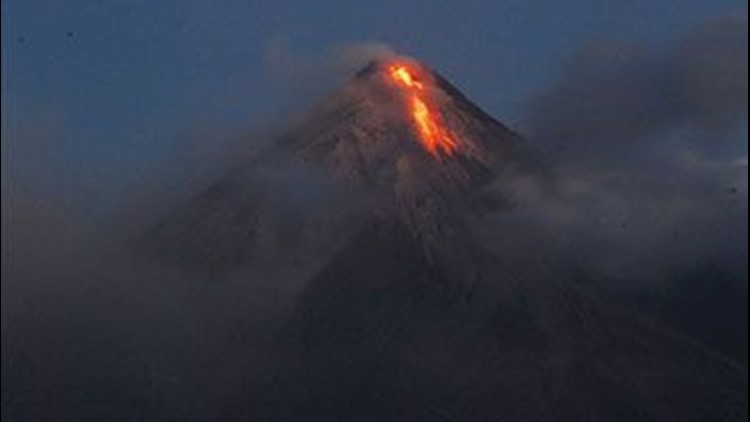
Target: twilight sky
97	94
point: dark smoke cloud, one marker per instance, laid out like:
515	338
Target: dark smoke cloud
635	227
646	188
645	192
711	66
616	96
649	173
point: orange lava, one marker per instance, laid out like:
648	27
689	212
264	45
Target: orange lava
428	122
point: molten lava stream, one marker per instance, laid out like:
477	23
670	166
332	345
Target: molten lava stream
429	125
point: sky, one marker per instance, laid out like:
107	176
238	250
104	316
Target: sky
98	94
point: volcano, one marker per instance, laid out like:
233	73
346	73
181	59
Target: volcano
404	314
367	139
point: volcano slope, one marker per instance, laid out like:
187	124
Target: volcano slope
404	314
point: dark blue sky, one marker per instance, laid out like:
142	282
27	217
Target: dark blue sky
98	93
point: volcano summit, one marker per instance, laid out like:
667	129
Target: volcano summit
378	196
398	137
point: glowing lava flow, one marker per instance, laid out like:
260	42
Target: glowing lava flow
428	122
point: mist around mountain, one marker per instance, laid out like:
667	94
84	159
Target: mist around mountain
345	273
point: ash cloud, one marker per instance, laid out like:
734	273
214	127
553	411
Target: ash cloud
635	228
648	171
614	97
645	186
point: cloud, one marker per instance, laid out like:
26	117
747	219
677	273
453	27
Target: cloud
649	172
711	66
615	96
638	226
